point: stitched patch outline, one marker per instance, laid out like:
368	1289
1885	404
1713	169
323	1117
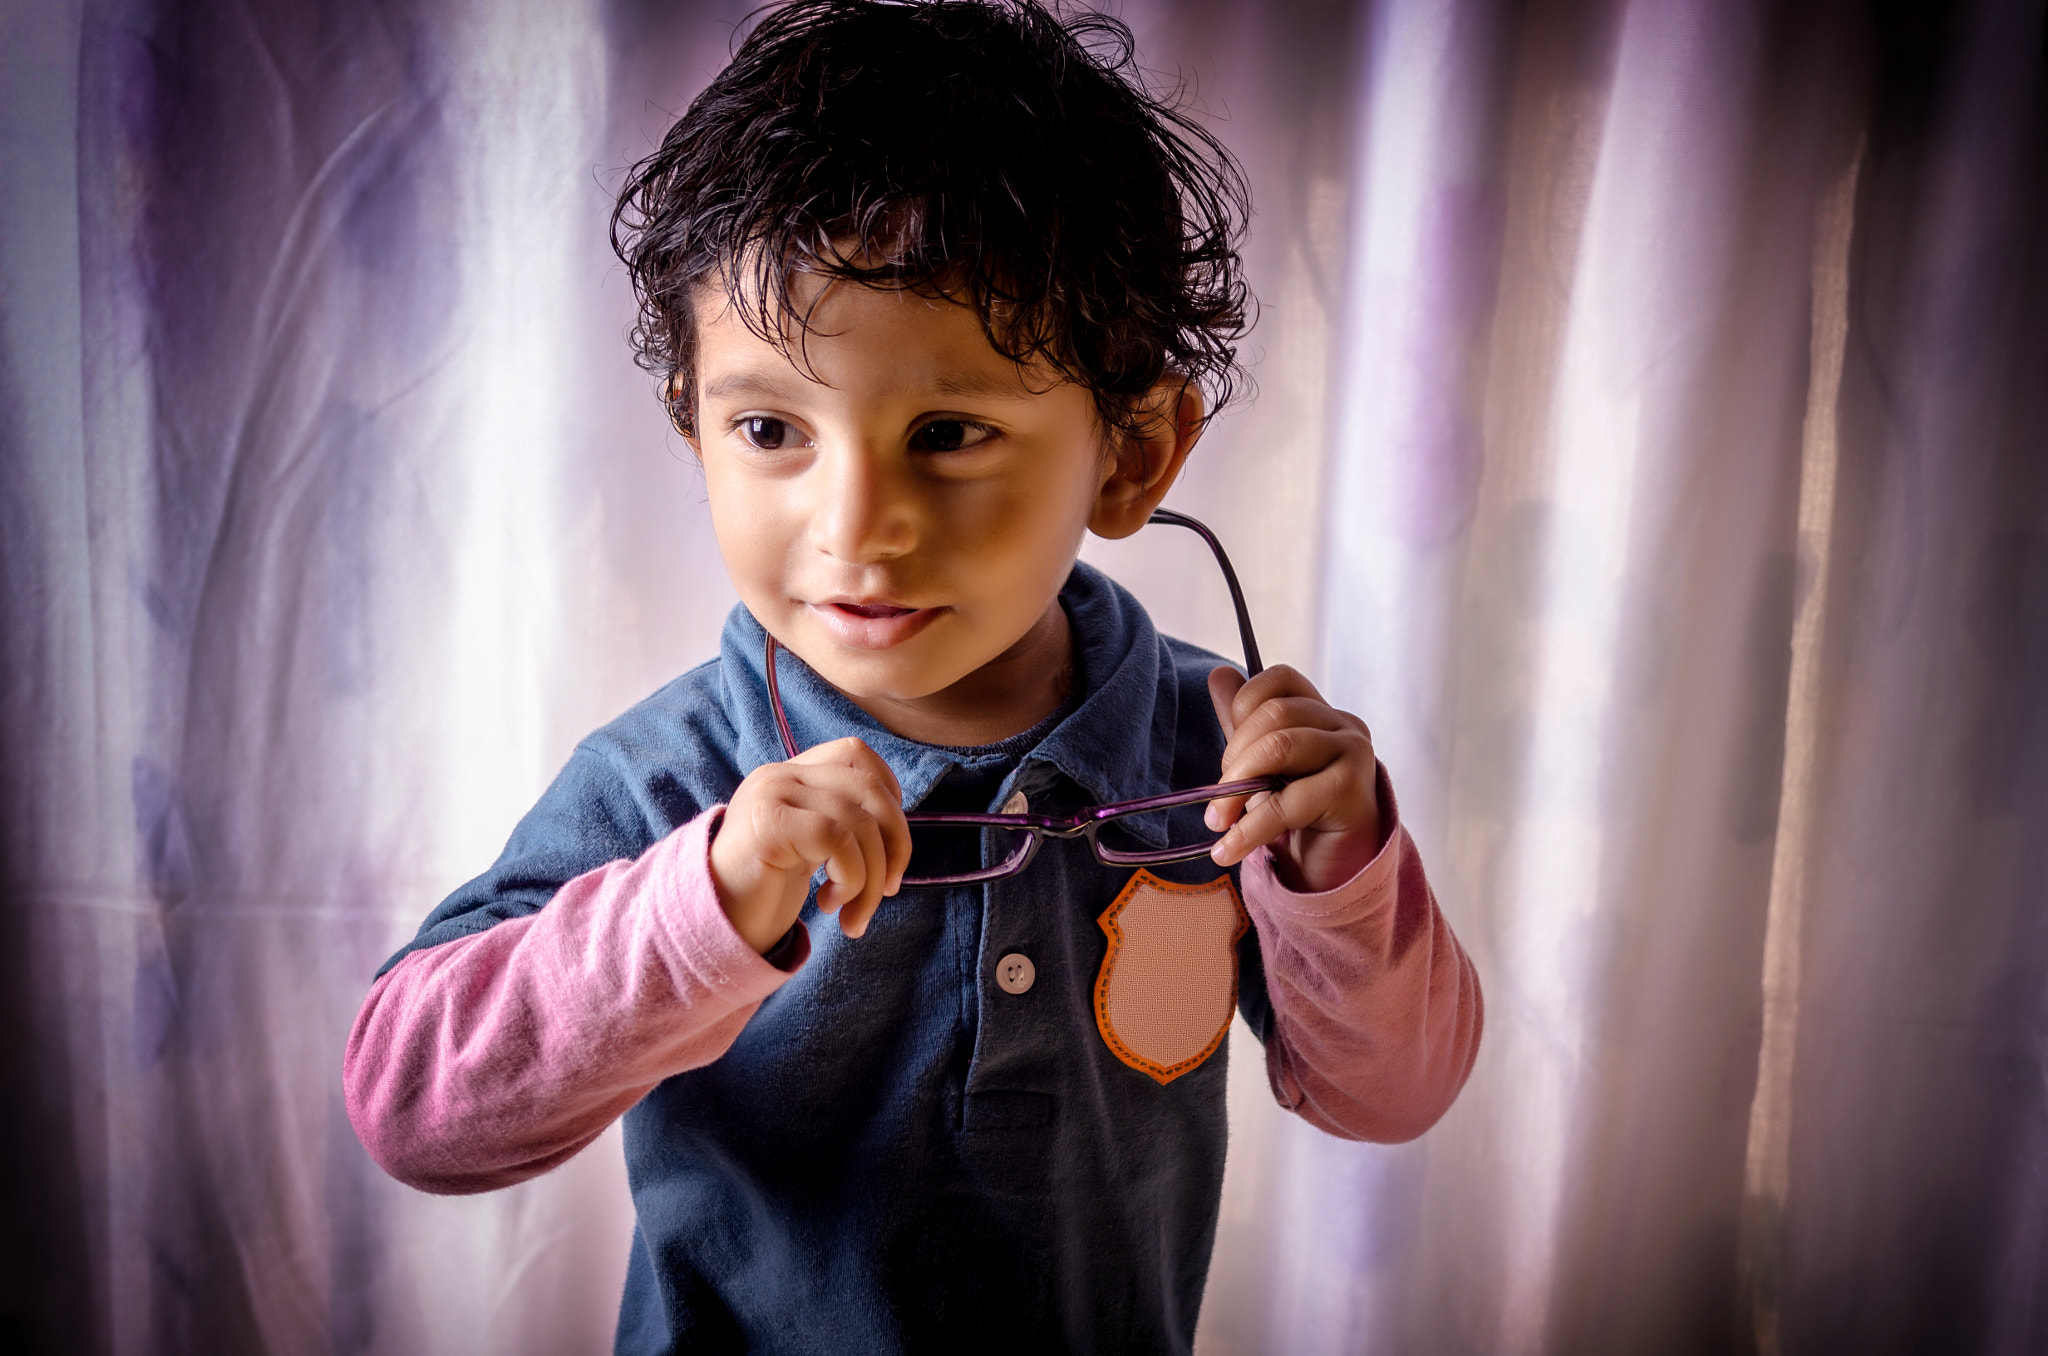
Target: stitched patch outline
1161	892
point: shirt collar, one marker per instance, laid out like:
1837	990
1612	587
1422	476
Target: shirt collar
1117	744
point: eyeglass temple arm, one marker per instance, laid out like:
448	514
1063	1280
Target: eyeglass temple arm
1252	666
775	698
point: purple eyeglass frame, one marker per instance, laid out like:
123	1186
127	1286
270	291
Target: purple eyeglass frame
1084	823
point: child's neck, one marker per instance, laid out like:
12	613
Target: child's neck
1006	696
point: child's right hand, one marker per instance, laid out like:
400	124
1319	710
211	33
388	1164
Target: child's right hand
836	805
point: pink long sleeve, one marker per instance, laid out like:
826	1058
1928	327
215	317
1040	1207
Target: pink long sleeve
483	1062
1376	1007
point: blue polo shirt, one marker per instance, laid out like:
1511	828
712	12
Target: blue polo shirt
896	1154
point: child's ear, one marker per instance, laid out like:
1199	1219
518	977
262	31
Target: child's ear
681	415
1142	466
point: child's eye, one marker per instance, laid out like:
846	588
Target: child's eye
949	435
767	434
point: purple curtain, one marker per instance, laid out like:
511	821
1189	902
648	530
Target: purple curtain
1651	443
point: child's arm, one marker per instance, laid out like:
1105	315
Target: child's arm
490	1059
1377	1010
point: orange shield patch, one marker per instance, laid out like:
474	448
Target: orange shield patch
1169	983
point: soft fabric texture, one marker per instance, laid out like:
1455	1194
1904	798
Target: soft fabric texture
1378	996
891	1152
478	1065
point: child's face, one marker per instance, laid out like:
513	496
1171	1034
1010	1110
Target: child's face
903	515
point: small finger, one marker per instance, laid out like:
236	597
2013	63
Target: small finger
818	834
868	783
1291	751
854	915
880	797
1221	814
845	872
895	830
852	752
1283	713
1296	751
873	785
1270	815
1281	680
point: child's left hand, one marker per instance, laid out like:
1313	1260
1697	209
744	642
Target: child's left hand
1328	814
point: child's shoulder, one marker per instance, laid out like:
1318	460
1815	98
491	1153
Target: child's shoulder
686	723
1190	666
1191	663
1111	621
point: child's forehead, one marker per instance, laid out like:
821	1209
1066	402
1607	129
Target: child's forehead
922	338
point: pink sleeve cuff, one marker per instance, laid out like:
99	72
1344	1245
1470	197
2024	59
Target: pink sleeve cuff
1368	889
691	932
1376	1008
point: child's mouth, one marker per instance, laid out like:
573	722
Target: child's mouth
871	626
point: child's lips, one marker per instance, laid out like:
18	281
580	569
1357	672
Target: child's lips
865	624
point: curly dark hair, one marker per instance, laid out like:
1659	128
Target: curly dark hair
991	151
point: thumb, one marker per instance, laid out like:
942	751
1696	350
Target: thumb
1224	683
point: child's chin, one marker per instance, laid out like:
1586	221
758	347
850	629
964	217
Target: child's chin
881	682
869	675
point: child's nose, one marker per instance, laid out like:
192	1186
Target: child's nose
864	511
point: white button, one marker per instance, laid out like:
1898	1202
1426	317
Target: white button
1016	804
1015	972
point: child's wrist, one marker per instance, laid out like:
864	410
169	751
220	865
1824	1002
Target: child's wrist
792	950
1316	863
735	901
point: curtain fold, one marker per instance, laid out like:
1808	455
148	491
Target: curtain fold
1650	443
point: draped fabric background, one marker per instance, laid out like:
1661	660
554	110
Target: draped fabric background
1651	443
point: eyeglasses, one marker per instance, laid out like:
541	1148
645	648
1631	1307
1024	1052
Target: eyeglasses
944	838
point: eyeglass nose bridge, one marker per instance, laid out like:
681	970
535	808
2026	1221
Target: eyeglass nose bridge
1110	856
1016	862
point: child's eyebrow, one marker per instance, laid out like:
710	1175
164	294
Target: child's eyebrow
744	383
1009	386
980	385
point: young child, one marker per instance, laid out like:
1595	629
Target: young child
933	289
